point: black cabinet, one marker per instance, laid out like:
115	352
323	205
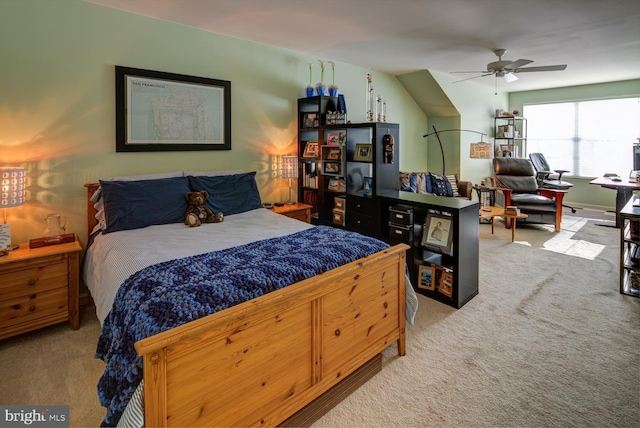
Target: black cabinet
454	253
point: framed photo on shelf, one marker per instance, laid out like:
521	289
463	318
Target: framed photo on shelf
506	150
309	120
333	153
426	277
363	153
337	185
333	138
331	168
311	150
437	233
446	283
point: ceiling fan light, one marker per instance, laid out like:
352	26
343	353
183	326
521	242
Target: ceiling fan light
510	77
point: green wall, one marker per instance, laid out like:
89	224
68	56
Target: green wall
582	193
57	110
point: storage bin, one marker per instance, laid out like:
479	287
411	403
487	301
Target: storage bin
401	232
401	214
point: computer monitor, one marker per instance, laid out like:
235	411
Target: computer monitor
636	156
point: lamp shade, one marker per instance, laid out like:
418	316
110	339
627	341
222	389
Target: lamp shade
289	166
480	150
12	186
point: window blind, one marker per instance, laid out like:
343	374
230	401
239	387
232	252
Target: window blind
588	138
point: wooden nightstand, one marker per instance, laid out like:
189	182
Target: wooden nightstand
39	287
298	211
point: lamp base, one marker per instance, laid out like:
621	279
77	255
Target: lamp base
6	251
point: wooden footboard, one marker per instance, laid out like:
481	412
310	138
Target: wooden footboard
259	362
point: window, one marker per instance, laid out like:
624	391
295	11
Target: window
589	138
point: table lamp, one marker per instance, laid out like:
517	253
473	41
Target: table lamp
12	194
290	170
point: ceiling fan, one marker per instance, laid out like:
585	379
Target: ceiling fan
507	69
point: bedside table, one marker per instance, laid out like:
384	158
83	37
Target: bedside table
39	287
298	211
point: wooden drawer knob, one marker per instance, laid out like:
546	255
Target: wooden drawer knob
33	281
32	308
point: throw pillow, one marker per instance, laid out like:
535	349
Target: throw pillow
440	185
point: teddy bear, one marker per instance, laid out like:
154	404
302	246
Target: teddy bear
198	212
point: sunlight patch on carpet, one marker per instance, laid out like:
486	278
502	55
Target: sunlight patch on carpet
563	244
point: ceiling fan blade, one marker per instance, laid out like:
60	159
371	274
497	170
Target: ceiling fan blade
476	71
541	68
510	77
518	63
474	77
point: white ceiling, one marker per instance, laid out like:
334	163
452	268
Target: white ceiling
598	40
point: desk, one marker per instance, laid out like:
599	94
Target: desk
624	189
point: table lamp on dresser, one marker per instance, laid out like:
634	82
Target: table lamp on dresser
290	170
12	194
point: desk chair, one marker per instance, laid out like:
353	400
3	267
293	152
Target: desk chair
543	176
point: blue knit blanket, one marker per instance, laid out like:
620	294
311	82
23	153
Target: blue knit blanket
169	294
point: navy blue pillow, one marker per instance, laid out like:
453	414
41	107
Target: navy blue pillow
136	204
229	194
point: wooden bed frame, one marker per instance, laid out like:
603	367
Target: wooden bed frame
258	363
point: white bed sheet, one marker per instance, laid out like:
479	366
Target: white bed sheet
114	257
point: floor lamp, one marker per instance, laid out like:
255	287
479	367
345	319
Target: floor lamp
437	134
290	170
12	194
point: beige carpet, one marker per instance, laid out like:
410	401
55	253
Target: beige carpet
549	341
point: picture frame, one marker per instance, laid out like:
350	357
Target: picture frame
309	120
333	153
445	285
437	232
426	277
505	150
331	168
311	150
155	111
333	138
337	185
363	153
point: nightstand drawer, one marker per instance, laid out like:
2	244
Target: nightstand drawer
32	306
18	280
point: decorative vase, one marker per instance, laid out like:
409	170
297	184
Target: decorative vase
310	90
321	89
333	91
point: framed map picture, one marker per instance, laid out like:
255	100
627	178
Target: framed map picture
157	111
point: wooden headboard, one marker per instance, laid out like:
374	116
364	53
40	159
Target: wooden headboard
91	211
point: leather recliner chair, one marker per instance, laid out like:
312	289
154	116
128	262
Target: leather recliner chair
516	181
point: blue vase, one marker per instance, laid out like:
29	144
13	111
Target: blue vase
333	91
321	89
310	91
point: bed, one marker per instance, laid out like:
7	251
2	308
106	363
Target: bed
252	362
